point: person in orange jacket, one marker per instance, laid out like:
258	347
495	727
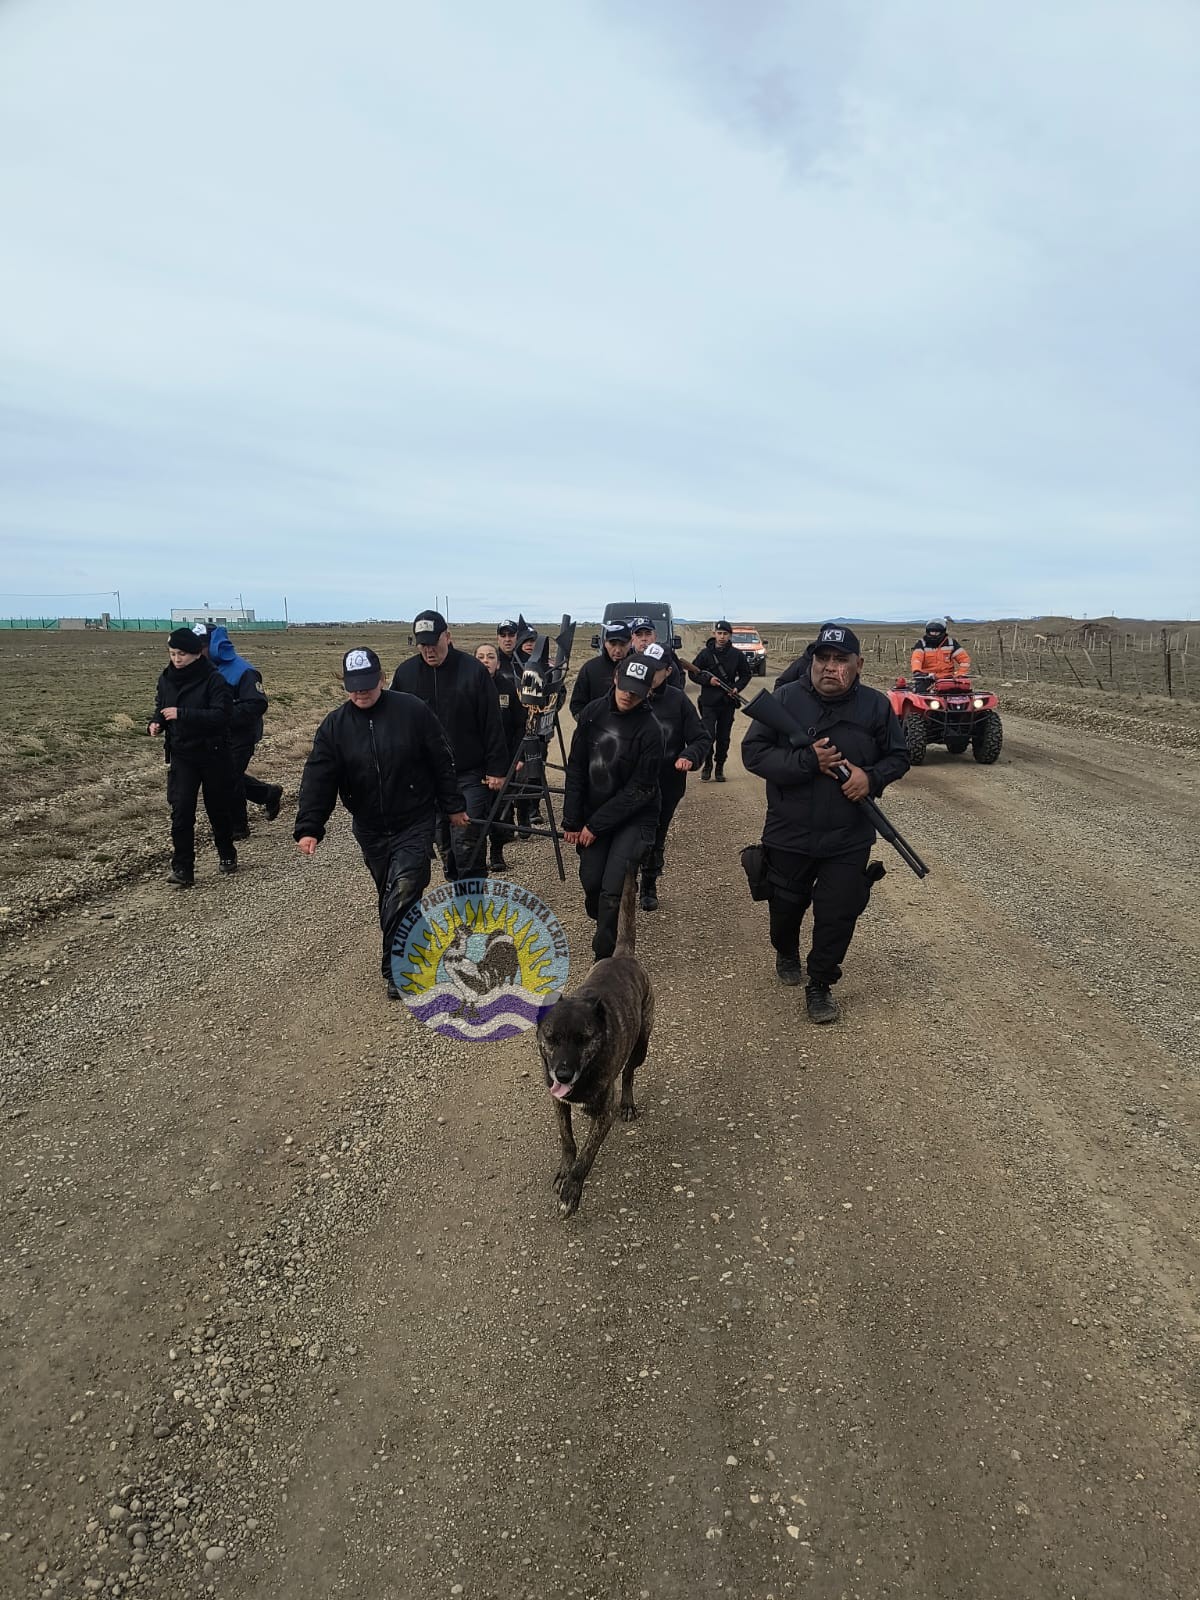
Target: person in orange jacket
936	652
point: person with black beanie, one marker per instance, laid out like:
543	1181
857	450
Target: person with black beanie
193	709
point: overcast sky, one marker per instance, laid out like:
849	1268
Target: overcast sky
883	308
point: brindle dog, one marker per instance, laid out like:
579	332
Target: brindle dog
591	1039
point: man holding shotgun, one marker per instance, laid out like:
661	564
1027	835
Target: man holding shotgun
817	837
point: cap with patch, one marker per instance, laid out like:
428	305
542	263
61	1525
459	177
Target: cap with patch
656	653
183	640
636	675
360	670
641	625
429	626
507	626
617	633
724	627
832	636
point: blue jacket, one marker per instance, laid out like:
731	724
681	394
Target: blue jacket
249	701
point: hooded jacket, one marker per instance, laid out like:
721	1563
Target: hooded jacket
249	701
729	664
204	702
807	811
390	764
594	681
463	698
613	767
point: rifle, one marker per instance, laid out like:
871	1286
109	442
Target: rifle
774	714
701	673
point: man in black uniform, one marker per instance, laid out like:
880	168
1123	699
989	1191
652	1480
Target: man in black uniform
387	756
719	668
596	675
460	693
193	707
514	717
643	632
610	805
686	742
816	836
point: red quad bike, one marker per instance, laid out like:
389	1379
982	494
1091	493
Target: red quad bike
947	711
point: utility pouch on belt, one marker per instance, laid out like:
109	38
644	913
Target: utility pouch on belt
754	865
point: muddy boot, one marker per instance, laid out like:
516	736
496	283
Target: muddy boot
181	877
821	1005
649	900
604	941
788	970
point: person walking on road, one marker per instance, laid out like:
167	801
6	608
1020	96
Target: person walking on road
193	709
596	675
722	672
611	799
246	729
460	693
816	837
387	756
686	742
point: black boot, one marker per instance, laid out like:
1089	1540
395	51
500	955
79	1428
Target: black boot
181	877
788	970
706	771
497	863
821	1005
271	806
604	941
649	901
228	863
719	774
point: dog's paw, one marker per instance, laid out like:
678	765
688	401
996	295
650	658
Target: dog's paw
629	1112
569	1192
561	1176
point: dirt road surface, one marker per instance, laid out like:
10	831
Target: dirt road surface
903	1307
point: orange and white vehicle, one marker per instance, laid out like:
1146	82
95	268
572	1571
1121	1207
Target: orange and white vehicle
747	639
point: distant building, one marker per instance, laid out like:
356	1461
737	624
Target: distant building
227	616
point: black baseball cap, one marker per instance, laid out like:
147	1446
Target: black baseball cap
641	624
636	675
617	633
429	626
833	636
724	627
360	669
507	626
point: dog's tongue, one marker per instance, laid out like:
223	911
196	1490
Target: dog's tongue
560	1091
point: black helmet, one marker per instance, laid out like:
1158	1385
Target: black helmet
935	630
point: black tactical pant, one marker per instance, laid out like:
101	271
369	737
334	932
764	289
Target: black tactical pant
212	772
602	869
455	846
837	888
718	720
246	787
399	864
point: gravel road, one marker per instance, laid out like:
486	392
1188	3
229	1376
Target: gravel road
902	1307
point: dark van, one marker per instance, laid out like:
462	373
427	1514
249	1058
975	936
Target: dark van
659	613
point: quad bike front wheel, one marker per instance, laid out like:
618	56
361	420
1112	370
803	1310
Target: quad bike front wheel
987	738
915	734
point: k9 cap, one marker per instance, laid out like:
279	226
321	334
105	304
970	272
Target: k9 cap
832	636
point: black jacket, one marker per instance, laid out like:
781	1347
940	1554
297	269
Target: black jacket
391	765
514	718
679	727
205	705
461	695
612	770
800	671
807	812
594	681
730	664
249	708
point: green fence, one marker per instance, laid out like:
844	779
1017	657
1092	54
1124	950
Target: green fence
127	625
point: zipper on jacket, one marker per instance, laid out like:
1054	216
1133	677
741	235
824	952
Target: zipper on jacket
378	768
